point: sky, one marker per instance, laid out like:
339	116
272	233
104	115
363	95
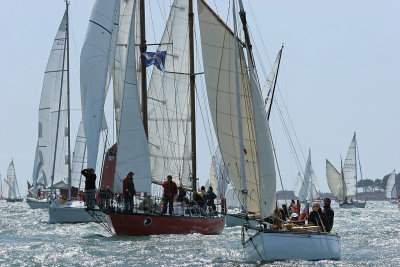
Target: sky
339	74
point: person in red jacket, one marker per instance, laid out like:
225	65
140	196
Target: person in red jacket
298	207
129	191
170	190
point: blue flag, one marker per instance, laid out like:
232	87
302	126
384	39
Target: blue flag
154	58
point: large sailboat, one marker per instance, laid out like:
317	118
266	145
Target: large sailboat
306	187
158	139
343	185
10	186
242	129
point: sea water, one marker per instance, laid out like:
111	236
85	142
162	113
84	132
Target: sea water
369	236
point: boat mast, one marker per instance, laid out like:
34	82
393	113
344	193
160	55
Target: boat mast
68	106
143	49
58	112
192	97
239	113
273	88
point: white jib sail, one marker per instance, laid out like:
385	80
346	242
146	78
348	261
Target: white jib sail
96	55
213	182
133	151
335	181
219	70
6	189
169	103
12	181
297	185
390	185
79	158
349	169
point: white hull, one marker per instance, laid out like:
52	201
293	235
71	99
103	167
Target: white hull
73	212
272	246
37	203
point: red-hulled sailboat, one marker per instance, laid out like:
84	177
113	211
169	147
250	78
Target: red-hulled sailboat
155	134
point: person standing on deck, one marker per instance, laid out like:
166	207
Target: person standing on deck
90	187
170	190
128	188
328	214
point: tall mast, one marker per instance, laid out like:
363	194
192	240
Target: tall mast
143	49
68	108
59	109
355	161
273	88
192	97
239	114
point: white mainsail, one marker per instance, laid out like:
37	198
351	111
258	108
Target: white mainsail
297	185
5	189
133	151
169	127
390	186
97	60
219	67
79	158
335	181
350	169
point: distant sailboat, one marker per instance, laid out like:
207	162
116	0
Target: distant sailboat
10	185
344	185
391	188
306	188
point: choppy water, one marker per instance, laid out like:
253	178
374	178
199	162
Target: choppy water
370	236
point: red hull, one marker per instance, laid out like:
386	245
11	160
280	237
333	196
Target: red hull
144	225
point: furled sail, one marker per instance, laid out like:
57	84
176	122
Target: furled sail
219	68
79	159
350	169
133	151
335	181
390	188
96	60
169	127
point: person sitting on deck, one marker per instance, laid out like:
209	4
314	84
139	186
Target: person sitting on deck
305	213
209	198
202	191
170	190
182	195
298	207
292	207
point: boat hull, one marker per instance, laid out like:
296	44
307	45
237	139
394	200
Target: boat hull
273	246
73	212
359	204
138	224
15	200
346	205
232	221
34	203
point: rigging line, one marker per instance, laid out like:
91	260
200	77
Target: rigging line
289	138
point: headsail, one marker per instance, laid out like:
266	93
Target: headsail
335	181
97	59
390	186
79	158
350	169
133	151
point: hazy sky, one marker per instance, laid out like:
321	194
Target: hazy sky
339	74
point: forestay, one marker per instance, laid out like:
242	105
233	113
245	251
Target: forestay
169	127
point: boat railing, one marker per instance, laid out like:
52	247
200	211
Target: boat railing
142	203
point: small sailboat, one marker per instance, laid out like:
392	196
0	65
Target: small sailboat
242	129
344	185
10	186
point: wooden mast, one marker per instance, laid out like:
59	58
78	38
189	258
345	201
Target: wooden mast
192	97
143	49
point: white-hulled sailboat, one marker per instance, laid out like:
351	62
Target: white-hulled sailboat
344	185
10	186
240	122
